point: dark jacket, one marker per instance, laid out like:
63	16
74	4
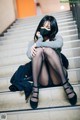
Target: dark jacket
21	77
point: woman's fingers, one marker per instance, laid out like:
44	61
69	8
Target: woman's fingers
34	49
33	52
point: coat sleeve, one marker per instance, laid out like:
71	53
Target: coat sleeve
30	44
56	43
29	49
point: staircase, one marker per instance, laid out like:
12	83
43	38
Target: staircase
53	104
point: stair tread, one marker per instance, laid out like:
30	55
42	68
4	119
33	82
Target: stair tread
62	113
48	98
71	52
26	32
30	37
5	45
74	62
60	28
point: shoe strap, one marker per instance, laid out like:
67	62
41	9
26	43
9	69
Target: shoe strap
68	87
35	86
35	97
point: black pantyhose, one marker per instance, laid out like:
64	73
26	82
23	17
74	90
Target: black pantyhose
56	64
36	68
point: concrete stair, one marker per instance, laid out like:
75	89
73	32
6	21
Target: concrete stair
53	103
48	98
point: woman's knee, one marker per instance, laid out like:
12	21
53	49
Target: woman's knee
49	51
39	52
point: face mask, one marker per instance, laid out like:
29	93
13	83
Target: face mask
44	32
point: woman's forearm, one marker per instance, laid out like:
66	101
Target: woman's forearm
57	43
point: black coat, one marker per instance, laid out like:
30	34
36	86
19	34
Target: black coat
20	79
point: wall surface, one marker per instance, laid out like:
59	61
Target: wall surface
7	14
53	6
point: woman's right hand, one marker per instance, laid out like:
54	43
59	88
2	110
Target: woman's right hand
33	50
38	34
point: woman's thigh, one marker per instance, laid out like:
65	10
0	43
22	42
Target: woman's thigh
48	76
44	77
56	80
54	75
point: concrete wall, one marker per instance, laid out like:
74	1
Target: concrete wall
7	13
53	6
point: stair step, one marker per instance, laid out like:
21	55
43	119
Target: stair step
28	30
58	15
74	62
5	45
59	20
33	25
69	32
9	70
27	38
71	52
22	59
71	44
62	113
47	98
33	29
74	78
14	60
70	37
63	33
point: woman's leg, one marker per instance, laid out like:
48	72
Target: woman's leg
48	73
54	76
56	65
44	75
36	65
36	69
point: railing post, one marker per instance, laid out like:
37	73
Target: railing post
75	8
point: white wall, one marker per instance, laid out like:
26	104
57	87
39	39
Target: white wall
52	6
7	13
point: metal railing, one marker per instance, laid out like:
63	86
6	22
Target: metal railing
75	8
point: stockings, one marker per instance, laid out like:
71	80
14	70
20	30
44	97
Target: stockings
56	65
36	66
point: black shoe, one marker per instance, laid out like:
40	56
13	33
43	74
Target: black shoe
67	86
34	103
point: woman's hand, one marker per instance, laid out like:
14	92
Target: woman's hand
33	50
38	34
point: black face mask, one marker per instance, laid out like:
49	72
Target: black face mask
44	32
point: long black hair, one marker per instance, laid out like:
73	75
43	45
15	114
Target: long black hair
53	24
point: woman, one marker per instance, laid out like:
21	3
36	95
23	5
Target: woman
47	67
